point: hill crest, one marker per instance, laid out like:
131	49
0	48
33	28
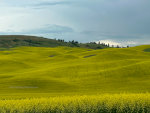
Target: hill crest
9	41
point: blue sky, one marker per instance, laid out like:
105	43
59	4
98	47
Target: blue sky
120	22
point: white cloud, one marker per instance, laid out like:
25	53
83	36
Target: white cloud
120	43
47	29
111	42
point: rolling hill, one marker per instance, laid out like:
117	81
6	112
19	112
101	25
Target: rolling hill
74	71
9	41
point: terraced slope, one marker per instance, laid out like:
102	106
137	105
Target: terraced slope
65	70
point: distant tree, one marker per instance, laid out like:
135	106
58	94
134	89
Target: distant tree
92	42
16	40
87	45
99	47
72	41
103	44
76	42
118	46
128	46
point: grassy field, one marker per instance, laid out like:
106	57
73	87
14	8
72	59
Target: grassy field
65	70
36	76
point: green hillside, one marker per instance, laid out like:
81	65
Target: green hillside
66	70
9	41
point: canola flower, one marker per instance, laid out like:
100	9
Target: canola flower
106	103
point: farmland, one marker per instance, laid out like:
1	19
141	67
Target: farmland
66	70
108	103
62	79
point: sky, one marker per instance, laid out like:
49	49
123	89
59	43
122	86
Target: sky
118	22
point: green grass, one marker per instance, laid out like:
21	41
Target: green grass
74	80
74	71
147	50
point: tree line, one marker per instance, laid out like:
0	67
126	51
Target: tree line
93	43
